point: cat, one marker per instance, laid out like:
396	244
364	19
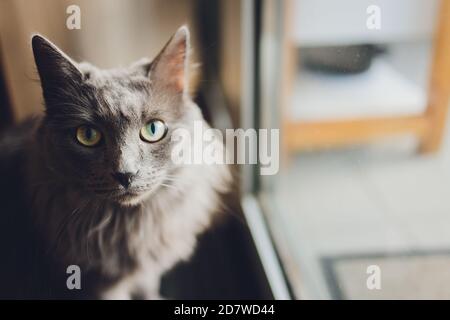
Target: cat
91	182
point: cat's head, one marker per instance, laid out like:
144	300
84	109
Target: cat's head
108	131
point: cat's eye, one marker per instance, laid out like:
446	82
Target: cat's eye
153	131
88	136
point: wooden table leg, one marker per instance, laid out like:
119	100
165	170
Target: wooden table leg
439	86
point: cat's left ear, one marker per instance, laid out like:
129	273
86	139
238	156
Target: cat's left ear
53	65
169	69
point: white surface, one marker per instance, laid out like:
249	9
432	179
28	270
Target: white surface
330	22
380	91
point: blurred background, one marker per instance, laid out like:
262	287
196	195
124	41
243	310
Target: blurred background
115	33
359	90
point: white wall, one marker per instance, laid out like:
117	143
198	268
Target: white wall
334	22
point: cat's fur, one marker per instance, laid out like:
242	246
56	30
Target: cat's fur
59	209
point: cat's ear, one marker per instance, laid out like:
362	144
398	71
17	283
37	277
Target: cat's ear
54	66
170	67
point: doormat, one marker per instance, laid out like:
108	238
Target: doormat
404	275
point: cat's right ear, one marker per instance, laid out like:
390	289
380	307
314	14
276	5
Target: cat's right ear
54	66
169	68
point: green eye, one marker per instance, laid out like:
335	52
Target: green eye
88	136
153	131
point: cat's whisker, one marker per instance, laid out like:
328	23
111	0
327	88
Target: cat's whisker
65	221
100	226
171	178
171	187
172	181
167	185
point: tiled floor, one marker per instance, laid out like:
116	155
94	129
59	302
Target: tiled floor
381	198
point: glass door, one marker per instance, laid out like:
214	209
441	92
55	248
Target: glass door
359	207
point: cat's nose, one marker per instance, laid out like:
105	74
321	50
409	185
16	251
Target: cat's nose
124	178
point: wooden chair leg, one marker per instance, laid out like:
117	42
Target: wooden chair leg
439	86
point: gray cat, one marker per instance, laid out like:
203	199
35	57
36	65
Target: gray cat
92	183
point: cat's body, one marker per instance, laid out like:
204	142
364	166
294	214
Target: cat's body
69	204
